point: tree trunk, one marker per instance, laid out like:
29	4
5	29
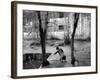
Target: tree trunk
76	17
42	37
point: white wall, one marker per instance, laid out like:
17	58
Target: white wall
5	40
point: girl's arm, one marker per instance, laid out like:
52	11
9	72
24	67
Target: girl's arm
56	52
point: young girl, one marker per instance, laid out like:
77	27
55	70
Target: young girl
61	53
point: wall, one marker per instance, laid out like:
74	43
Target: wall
5	41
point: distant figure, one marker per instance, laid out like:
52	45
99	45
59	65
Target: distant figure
61	53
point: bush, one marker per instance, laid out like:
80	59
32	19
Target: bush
67	41
34	44
54	38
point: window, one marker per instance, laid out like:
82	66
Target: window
61	15
61	27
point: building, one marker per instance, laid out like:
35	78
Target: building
62	27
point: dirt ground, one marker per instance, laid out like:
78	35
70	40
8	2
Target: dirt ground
82	53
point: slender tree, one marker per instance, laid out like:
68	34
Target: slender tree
76	17
42	31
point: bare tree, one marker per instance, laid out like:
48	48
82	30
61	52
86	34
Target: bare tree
66	36
43	31
76	17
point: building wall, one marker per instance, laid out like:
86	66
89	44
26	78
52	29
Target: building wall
82	31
